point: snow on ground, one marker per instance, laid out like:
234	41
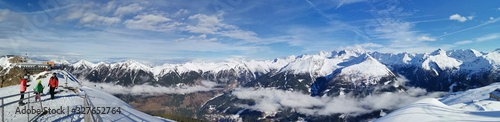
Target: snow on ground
4	62
470	105
432	109
469	95
68	99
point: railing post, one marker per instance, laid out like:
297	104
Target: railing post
28	106
86	117
3	117
66	78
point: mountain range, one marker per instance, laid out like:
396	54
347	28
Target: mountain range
357	72
357	66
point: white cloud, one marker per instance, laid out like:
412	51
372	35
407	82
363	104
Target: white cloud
110	6
206	24
206	44
132	8
94	19
463	42
426	38
181	12
152	22
200	38
7	15
153	90
491	21
272	100
483	38
366	46
488	37
388	28
4	14
398	32
111	44
346	2
470	17
459	18
90	14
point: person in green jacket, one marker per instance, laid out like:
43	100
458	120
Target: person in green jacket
38	90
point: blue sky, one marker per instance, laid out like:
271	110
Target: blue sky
173	31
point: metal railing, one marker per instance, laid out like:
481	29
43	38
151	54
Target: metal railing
72	77
87	103
3	104
89	117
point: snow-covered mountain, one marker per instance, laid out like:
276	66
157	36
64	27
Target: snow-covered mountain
364	70
440	63
470	105
438	60
356	72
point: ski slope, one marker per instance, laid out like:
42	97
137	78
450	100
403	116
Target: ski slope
471	105
70	99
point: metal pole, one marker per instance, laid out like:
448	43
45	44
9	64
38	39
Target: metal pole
3	117
66	78
28	106
86	115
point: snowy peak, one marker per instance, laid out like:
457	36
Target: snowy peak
64	62
312	64
84	64
345	54
395	59
439	52
438	60
465	55
364	69
493	58
368	57
325	54
360	59
325	63
406	58
132	65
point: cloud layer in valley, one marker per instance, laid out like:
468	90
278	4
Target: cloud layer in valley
273	100
153	90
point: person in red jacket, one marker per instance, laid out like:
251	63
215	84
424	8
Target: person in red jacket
24	84
53	84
